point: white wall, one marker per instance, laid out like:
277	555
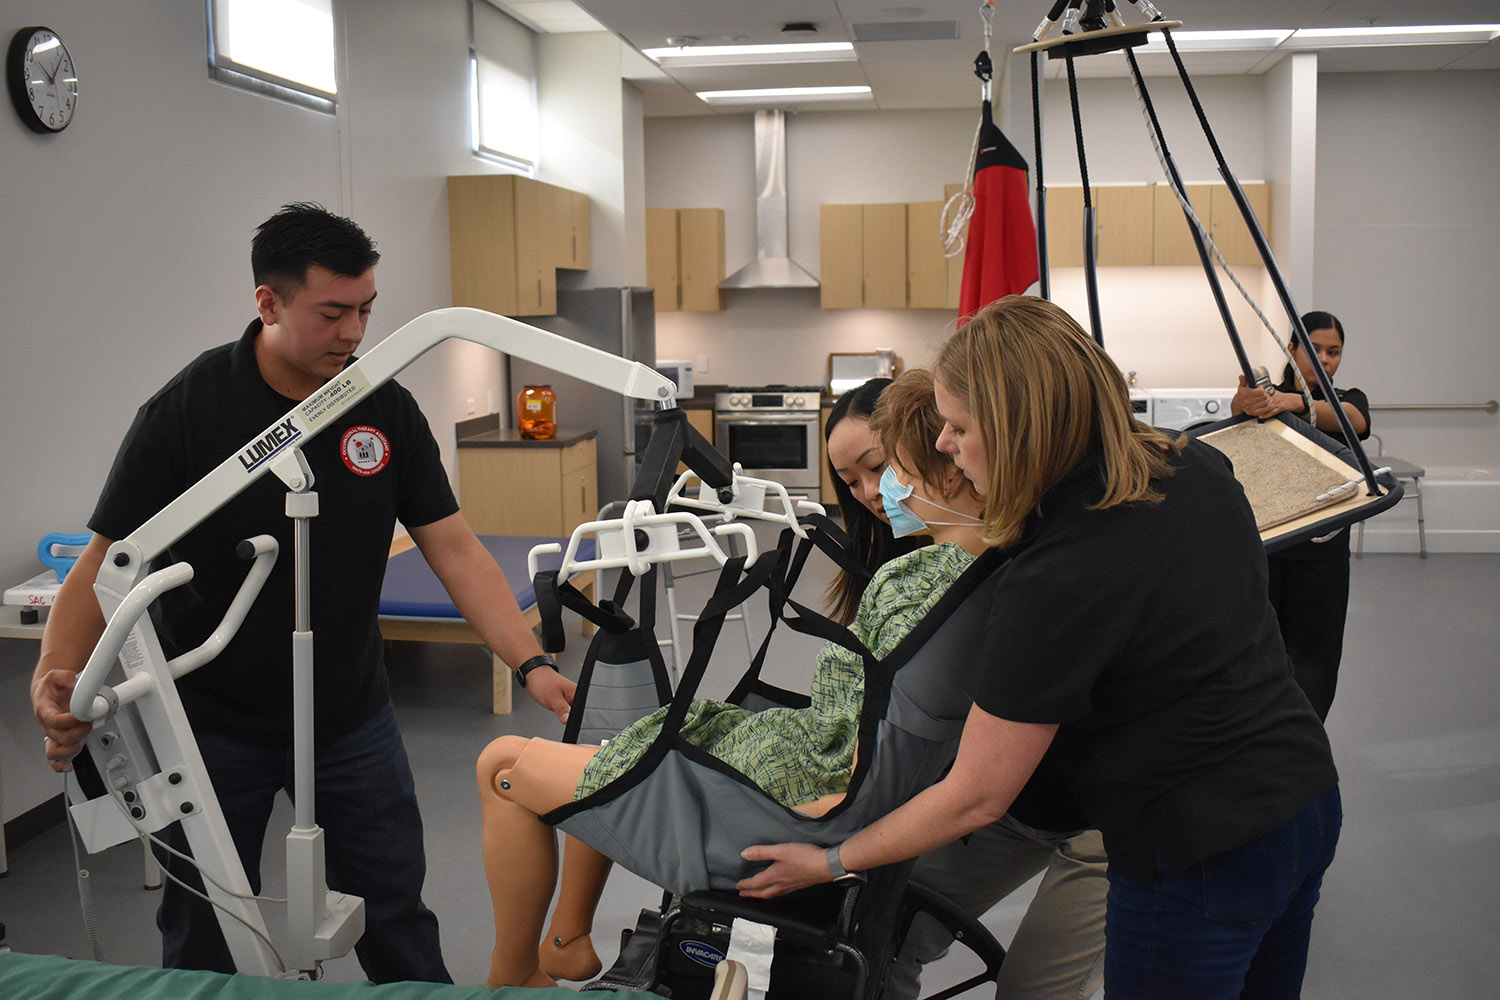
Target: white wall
1408	227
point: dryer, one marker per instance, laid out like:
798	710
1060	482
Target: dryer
1185	409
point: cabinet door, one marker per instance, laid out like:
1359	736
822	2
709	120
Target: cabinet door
1228	226
841	256
482	242
926	267
536	281
1172	237
662	257
1123	217
884	246
700	236
580	499
1065	226
511	491
570	220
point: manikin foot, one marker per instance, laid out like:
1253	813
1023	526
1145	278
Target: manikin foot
575	960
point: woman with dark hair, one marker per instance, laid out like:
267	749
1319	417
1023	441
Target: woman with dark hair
1310	581
1058	949
1173	715
856	461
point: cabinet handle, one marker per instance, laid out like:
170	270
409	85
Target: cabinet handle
583	499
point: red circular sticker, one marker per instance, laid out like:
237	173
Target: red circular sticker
366	450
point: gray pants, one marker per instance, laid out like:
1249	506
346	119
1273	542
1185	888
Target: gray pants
1058	950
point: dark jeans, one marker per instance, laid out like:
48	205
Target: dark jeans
1311	598
1236	925
366	804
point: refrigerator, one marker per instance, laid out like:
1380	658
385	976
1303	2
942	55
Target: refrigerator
621	321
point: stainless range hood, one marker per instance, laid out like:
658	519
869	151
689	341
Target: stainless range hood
771	268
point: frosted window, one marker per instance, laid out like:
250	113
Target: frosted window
282	47
504	88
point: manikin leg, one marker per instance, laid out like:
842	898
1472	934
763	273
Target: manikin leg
519	780
567	952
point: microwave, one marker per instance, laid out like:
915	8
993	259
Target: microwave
681	374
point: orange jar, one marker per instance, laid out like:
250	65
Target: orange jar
536	412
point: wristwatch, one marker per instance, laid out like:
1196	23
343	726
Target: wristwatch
836	867
539	660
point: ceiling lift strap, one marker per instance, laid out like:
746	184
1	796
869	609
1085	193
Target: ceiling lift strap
1195	226
1090	265
1277	278
951	231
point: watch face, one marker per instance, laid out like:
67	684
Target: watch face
42	81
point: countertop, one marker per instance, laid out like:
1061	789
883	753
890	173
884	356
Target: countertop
486	432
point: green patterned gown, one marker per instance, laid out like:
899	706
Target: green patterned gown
799	754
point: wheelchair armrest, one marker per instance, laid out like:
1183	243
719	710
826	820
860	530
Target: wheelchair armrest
966	930
816	916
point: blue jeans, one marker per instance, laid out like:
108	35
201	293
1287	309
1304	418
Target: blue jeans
366	804
1236	925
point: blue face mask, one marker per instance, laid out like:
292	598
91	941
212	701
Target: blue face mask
904	521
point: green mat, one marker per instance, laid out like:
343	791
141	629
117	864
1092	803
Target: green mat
48	977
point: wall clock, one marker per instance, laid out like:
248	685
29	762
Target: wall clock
41	79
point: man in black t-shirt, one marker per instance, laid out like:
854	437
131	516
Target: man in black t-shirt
377	464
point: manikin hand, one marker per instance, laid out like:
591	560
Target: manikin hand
50	694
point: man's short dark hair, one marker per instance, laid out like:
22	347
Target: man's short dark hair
302	235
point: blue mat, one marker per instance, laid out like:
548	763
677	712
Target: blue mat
412	589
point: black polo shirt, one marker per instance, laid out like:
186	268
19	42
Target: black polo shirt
376	463
1145	632
1336	547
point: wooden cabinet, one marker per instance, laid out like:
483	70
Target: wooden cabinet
685	258
1142	224
570	229
507	237
1124	220
863	256
510	486
1215	207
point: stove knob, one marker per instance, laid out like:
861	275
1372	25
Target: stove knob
798	401
736	400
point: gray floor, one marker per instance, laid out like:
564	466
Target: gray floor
1409	908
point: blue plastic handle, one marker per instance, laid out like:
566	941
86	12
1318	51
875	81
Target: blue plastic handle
60	563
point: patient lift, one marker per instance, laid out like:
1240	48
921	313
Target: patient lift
147	771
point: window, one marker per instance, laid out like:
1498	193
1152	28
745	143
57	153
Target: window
502	85
283	48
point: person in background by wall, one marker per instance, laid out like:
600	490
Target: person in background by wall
1310	581
1058	949
315	284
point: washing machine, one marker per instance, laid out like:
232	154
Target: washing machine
1185	409
1140	406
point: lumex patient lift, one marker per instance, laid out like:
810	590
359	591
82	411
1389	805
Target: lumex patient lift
147	771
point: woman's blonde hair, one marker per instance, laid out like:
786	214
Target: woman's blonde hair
907	421
1044	396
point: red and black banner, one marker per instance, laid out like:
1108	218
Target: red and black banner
1000	258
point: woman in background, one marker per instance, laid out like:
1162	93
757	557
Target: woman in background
1309	582
1058	949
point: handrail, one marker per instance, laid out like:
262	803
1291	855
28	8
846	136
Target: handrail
1489	406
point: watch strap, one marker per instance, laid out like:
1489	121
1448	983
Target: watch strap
835	865
539	660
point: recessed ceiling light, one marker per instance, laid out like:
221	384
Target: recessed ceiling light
752	55
1415	34
784	95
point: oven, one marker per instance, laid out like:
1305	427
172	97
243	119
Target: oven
773	433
